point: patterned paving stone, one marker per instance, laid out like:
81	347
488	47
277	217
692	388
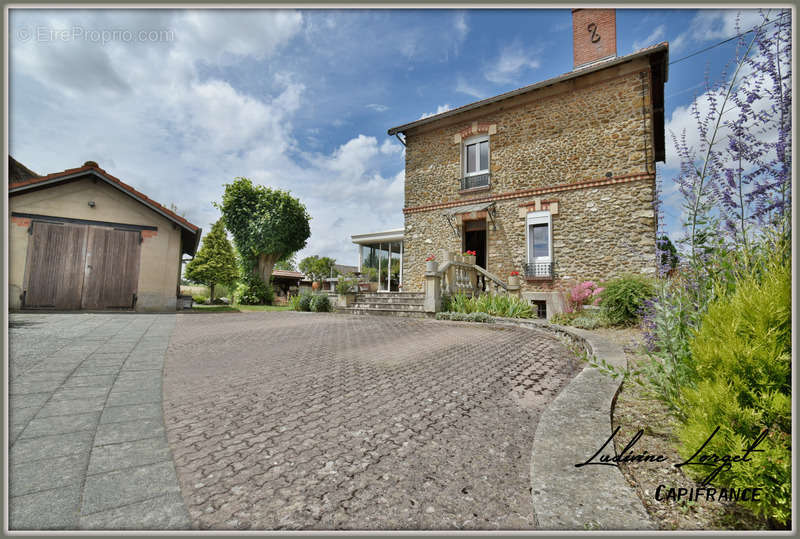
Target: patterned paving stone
310	421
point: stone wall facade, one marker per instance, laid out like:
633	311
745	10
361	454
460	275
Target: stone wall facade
582	148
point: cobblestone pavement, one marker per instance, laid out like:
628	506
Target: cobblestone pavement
87	447
319	421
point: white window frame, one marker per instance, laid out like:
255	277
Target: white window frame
469	142
539	218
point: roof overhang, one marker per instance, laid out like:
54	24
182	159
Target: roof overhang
190	236
658	54
378	237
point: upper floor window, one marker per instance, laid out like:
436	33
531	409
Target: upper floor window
476	156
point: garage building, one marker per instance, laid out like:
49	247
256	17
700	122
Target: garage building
83	239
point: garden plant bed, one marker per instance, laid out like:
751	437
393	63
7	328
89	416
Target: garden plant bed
637	409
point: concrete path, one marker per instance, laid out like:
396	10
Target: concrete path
88	448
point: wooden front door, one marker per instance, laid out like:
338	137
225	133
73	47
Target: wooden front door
81	267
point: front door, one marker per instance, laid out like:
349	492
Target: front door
475	240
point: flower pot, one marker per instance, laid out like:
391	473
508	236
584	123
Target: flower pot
469	259
315	285
431	266
513	280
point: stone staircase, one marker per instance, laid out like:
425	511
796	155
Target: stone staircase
408	304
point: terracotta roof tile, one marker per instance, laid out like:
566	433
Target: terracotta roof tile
123	185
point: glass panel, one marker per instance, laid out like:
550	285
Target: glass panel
472	158
540	241
484	155
395	267
369	263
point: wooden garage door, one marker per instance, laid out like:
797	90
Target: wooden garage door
82	267
112	268
56	256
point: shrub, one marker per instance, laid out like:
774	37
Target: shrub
345	284
743	353
320	303
585	319
199	299
584	293
504	305
304	302
253	292
446	302
623	299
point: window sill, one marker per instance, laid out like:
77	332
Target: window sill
539	279
474	190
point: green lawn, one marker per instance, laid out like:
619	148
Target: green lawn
238	308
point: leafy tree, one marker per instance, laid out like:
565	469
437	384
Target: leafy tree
215	262
669	254
287	263
317	267
266	224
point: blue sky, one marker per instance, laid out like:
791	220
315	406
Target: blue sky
179	102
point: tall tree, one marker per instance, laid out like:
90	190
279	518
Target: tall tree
215	262
317	267
266	224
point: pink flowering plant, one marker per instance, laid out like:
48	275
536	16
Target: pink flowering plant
585	293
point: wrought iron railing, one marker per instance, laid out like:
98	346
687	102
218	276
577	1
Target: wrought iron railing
539	270
478	180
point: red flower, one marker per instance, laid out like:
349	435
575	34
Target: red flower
470	253
430	258
514	273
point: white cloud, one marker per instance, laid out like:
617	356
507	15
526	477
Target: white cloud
464	87
511	64
654	37
440	109
377	107
714	25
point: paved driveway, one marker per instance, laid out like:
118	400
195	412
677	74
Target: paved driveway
315	421
87	447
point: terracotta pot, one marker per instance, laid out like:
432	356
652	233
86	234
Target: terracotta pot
315	285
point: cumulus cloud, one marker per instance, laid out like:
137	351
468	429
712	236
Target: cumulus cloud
440	109
513	62
655	36
714	25
168	117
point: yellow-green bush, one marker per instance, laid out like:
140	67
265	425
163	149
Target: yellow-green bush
742	353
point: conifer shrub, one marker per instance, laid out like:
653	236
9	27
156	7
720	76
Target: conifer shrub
742	354
622	299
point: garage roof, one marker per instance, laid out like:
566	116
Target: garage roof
191	232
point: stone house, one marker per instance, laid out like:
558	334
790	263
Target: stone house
83	239
555	180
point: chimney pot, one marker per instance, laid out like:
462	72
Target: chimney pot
91	164
594	35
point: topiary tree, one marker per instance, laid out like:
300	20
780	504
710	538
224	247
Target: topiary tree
266	224
215	262
317	267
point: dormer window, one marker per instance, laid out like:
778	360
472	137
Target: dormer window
476	163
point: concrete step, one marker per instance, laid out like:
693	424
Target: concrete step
391	301
388	307
385	312
392	295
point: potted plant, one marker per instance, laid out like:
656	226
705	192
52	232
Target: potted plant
344	289
513	278
469	257
431	266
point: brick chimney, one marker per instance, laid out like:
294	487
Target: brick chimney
594	35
